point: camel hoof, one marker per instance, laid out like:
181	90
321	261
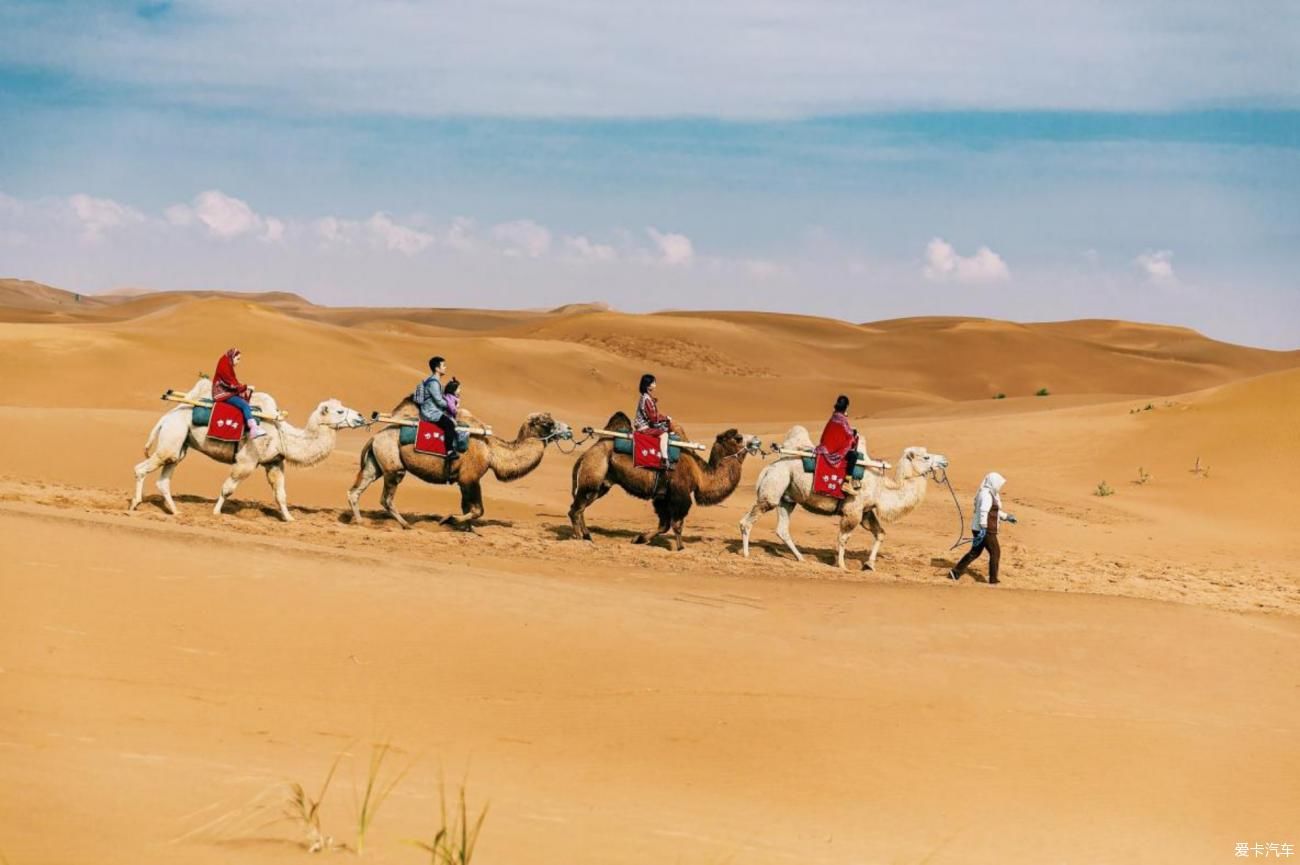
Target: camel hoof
867	566
640	539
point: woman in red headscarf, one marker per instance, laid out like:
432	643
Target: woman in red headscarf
226	387
840	439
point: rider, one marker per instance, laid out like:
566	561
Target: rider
648	417
226	387
429	399
988	513
451	393
840	440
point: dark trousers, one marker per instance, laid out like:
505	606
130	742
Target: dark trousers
988	542
850	460
448	425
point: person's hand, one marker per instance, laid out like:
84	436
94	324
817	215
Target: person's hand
978	537
1011	518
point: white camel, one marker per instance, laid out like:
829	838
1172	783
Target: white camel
784	484
174	434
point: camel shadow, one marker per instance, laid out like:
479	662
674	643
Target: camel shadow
564	532
772	548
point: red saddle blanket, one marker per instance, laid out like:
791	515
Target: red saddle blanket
828	480
430	439
645	451
227	423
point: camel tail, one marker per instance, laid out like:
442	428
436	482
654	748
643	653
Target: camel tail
367	454
152	441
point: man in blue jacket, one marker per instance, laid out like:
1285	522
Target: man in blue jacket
433	405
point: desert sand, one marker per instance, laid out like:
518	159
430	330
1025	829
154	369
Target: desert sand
1130	693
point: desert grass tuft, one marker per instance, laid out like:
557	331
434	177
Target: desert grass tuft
1042	391
376	793
1103	489
305	809
455	840
1144	477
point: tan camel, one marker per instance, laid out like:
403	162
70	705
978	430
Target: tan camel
883	498
706	483
174	435
384	456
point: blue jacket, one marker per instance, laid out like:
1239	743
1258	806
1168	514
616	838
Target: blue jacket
428	396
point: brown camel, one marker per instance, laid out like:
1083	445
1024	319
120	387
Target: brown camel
385	456
692	479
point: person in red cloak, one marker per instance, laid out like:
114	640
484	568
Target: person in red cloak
226	387
840	440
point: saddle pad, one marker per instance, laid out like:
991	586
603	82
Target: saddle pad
828	480
624	446
810	465
429	439
406	436
227	423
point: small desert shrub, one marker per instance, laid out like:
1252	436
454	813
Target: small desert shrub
376	793
454	842
1000	395
1143	476
1200	470
1103	489
1042	391
1149	407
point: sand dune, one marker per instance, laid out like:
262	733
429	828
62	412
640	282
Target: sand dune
162	677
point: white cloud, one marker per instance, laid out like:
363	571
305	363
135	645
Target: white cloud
387	234
225	216
943	264
675	250
580	248
461	234
523	237
1157	264
380	231
98	215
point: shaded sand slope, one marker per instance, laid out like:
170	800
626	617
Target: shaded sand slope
157	684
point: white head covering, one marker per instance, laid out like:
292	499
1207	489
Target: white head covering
993	483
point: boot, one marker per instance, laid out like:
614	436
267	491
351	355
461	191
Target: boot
255	430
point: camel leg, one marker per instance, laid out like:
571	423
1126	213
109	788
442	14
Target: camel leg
238	472
783	527
847	525
678	522
665	523
164	485
872	522
275	477
760	507
471	506
386	499
366	475
583	499
142	471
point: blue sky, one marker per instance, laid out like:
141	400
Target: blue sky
867	160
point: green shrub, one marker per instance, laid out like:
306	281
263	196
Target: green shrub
1042	391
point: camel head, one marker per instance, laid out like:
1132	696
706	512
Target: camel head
541	425
732	442
917	462
333	413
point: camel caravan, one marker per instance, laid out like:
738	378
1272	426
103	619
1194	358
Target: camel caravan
432	437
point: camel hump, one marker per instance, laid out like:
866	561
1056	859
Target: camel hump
202	389
797	438
405	408
619	422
